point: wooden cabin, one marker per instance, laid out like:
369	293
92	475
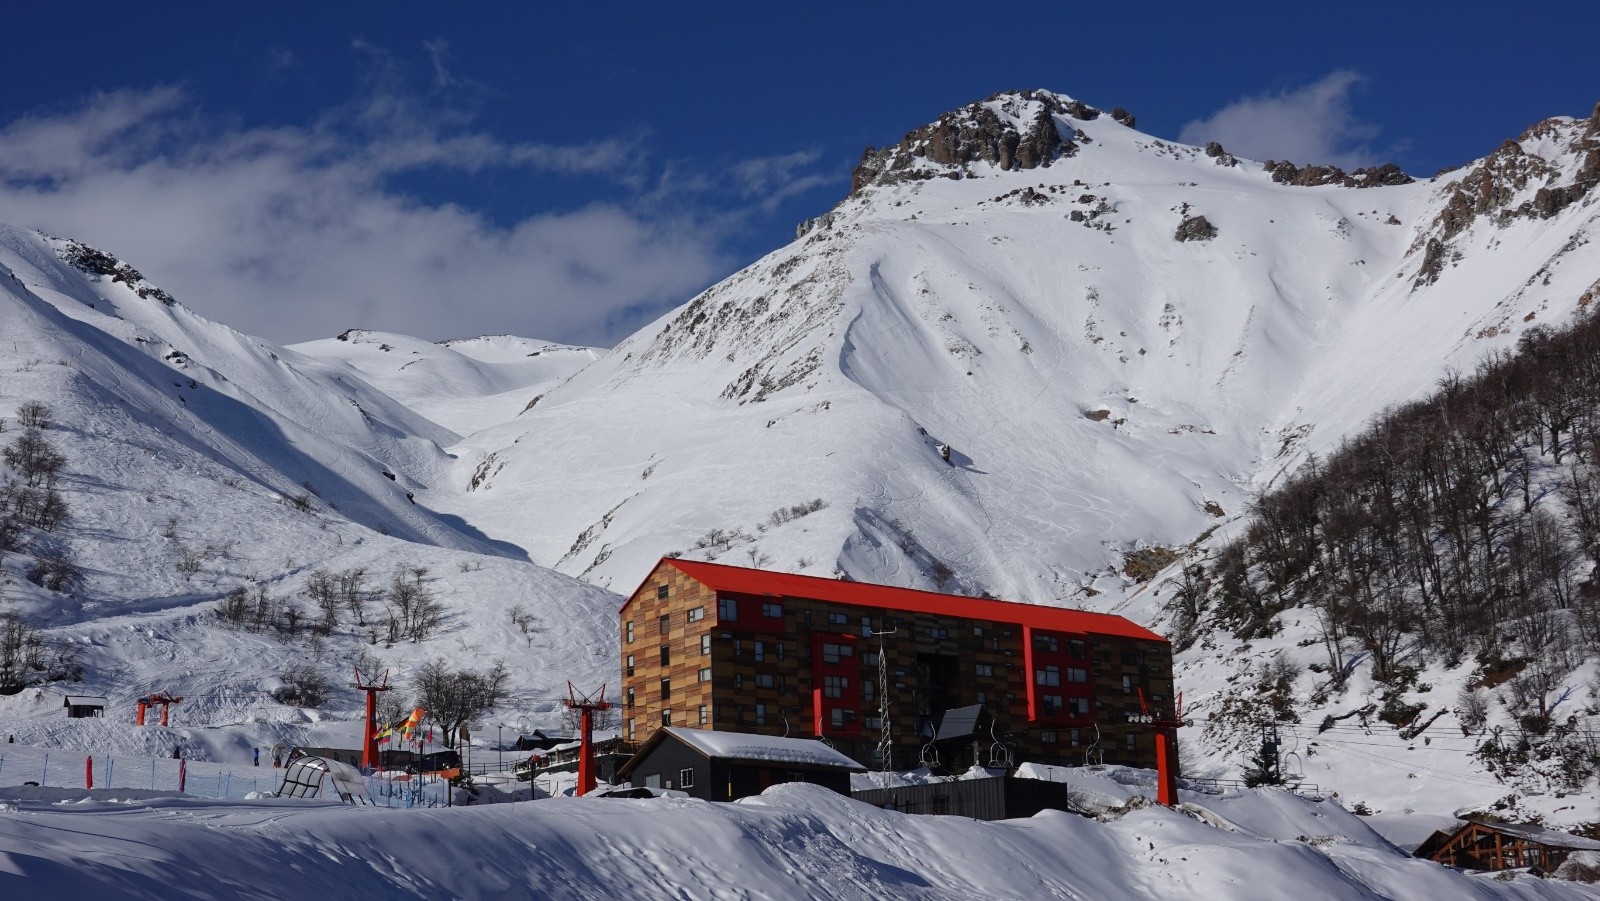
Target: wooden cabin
81	706
1476	845
726	766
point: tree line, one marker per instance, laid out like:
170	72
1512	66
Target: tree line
1464	525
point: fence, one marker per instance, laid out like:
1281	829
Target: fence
21	766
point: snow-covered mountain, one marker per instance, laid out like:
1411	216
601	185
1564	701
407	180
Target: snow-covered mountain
1033	353
1117	338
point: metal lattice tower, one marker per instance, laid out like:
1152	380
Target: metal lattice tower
885	743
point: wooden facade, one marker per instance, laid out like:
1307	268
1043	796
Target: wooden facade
720	647
1502	846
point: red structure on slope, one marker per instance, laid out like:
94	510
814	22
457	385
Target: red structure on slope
587	706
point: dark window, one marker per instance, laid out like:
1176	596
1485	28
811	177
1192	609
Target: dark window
761	714
1051	703
1077	674
1127	685
837	619
834	686
666	622
1050	675
666	689
630	664
686	775
727	609
1077	649
1074	737
1048	736
772	610
1047	643
697	614
630	701
661	591
666	717
630	630
761	650
766	680
666	656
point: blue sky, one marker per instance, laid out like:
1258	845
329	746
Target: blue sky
569	171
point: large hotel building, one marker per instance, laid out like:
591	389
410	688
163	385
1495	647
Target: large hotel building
722	647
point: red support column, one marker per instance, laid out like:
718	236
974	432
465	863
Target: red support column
369	729
138	715
586	706
88	772
1167	767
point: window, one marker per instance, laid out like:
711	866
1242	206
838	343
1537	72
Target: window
1133	742
704	675
666	717
1127	685
630	728
662	591
705	644
686	775
870	658
705	715
834	686
837	619
1051	703
630	698
697	614
727	609
666	655
1077	649
665	622
1046	643
977	631
761	714
766	680
1048	736
1077	674
652	781
875	723
1077	706
666	689
738	647
780	650
629	630
761	650
738	680
984	669
869	690
1074	737
774	611
937	632
842	717
983	697
833	653
630	664
1050	675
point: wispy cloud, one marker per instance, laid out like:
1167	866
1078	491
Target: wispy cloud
297	232
1310	124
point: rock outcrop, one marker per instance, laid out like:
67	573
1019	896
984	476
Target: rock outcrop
1011	131
1196	228
1287	173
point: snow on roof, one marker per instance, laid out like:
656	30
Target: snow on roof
1546	836
764	748
739	580
83	701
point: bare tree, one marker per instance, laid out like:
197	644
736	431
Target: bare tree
454	697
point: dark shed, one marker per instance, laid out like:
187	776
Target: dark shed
726	766
80	706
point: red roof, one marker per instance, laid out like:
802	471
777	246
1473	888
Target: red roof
739	580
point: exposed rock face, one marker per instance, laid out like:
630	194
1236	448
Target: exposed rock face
1220	156
1011	131
1196	228
1563	171
1123	116
1287	173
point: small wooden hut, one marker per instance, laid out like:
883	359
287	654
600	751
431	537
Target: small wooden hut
1477	845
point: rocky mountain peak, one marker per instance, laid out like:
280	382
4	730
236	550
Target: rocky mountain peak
1012	130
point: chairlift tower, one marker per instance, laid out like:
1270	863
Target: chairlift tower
586	705
1166	730
369	728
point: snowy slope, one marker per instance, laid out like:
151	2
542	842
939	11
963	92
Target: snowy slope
794	841
464	385
1101	385
184	437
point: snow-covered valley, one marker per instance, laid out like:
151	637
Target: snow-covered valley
1046	382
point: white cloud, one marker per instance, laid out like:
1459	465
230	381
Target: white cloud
295	232
1312	124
